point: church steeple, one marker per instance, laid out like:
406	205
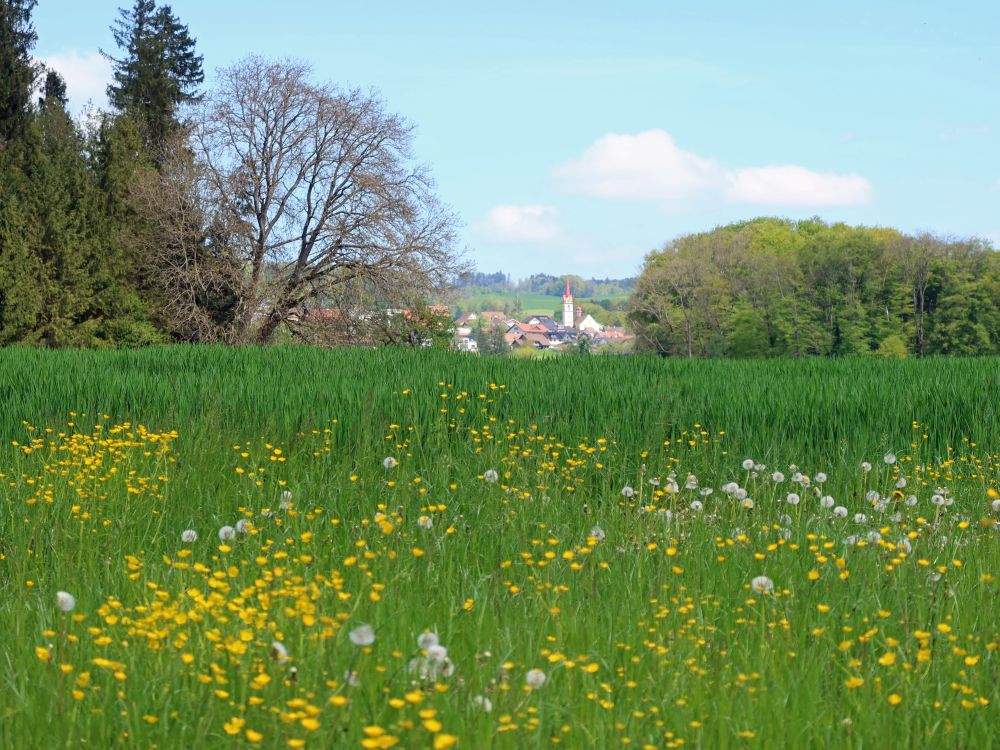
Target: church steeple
569	310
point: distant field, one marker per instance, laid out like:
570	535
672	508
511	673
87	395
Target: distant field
258	544
533	304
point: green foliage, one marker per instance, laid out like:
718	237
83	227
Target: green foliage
158	70
893	346
17	70
771	287
491	341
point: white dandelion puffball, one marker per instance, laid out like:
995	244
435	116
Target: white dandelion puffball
705	491
820	477
860	518
483	703
889	458
226	533
363	635
792	499
425	522
437	653
730	488
189	536
535	678
598	533
242	526
697	506
904	543
866	467
278	651
390	462
851	540
911	500
872	496
759	467
428	639
748	503
938	500
797	477
996	506
748	464
826	501
874	537
762	585
490	476
840	511
627	491
900	483
778	477
65	601
741	494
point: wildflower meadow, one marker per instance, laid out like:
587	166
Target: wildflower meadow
208	547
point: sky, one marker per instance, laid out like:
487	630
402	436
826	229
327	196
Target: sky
576	137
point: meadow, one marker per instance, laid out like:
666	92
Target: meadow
289	547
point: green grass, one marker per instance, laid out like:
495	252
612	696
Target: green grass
508	573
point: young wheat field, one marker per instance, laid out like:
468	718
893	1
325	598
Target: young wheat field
206	547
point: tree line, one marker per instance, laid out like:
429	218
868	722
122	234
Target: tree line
771	287
235	215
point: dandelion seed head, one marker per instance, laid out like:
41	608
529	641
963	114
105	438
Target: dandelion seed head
491	476
535	678
389	462
363	635
189	536
227	533
762	585
65	601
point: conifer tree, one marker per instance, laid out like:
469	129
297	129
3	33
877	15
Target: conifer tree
157	72
17	71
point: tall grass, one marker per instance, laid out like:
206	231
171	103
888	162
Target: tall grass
822	410
579	559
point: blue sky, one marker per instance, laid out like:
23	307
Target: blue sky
575	137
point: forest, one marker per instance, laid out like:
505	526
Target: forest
772	287
267	208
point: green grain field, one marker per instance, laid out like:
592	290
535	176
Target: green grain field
289	547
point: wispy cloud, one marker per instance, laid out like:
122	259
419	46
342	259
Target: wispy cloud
87	75
509	224
650	166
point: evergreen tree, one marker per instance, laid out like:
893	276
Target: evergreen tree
158	70
17	71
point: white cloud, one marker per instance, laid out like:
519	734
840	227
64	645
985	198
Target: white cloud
791	185
650	166
87	75
533	223
647	166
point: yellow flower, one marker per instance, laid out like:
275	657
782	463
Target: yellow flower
234	725
895	699
42	653
253	736
887	659
445	741
310	723
852	682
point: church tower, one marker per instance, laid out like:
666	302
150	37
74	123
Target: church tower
568	309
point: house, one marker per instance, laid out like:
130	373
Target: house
543	320
466	344
494	318
586	323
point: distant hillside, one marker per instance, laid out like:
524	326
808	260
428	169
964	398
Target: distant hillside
542	294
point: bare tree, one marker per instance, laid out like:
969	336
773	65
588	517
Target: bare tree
302	190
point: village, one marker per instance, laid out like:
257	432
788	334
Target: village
538	332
